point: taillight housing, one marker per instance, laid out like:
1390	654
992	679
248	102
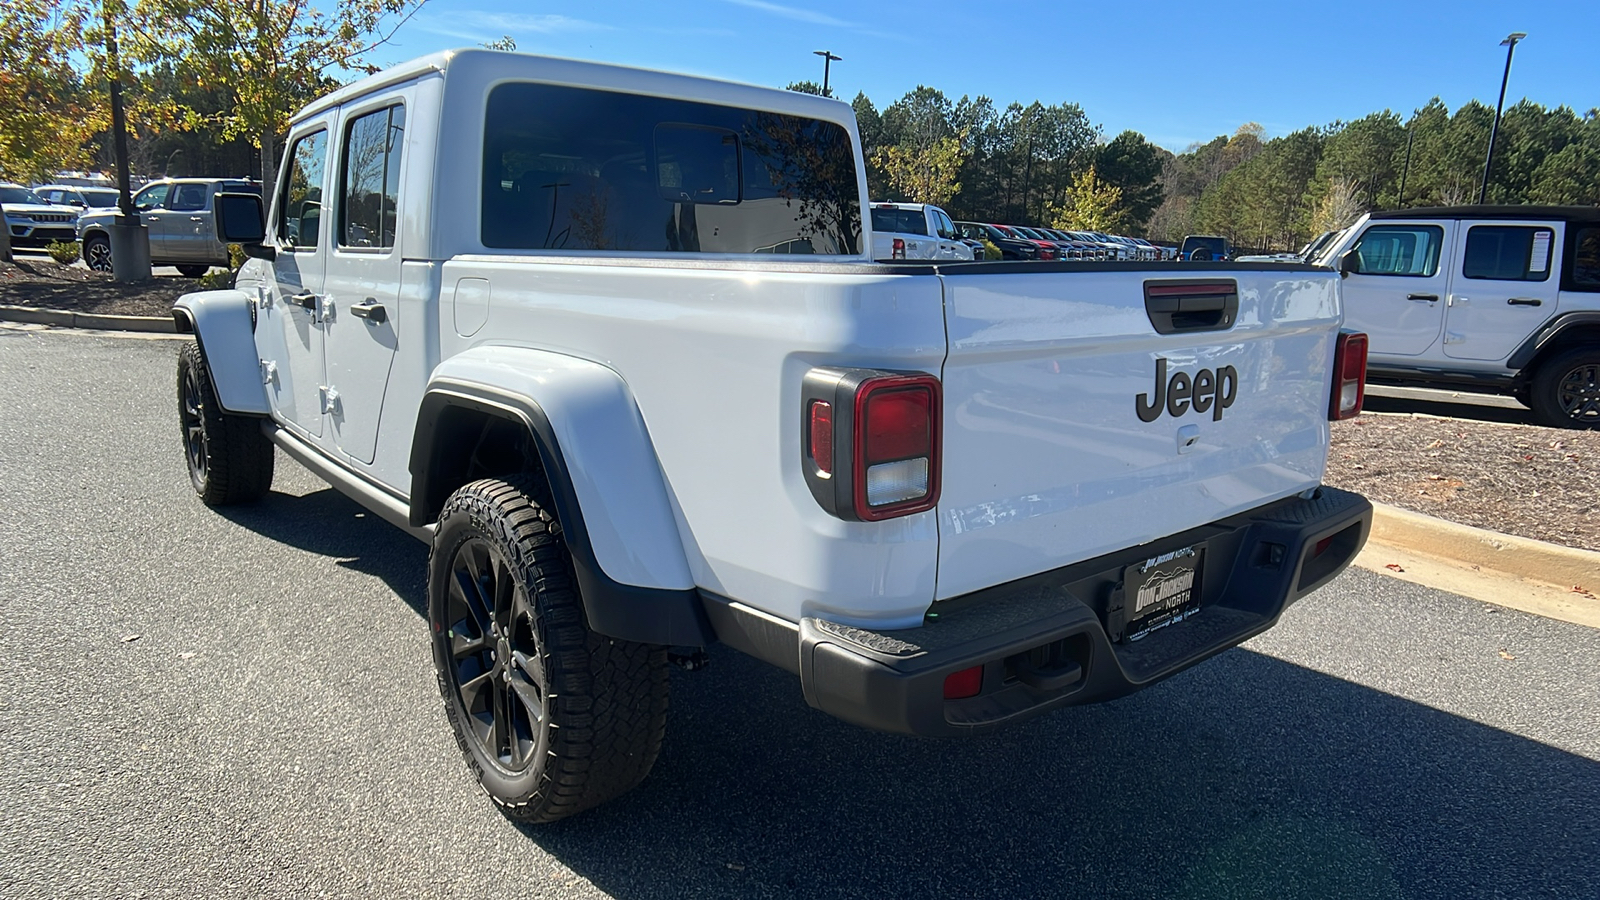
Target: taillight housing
1349	376
870	441
899	248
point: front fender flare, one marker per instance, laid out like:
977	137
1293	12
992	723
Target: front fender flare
223	324
605	481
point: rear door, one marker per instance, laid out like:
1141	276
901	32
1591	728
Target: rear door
1397	293
151	204
1073	427
1505	286
362	283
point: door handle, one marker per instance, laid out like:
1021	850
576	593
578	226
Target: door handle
1525	301
1431	298
306	301
371	310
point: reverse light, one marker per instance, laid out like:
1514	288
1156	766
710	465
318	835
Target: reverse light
1349	376
899	248
872	442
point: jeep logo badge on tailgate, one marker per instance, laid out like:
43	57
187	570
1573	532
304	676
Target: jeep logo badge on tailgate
1205	390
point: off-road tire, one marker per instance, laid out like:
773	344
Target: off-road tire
97	252
193	271
1566	389
602	703
230	461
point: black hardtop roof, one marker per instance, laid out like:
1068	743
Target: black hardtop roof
1563	213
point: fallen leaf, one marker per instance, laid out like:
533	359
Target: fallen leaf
1396	567
737	867
1505	655
187	654
1435	445
129	638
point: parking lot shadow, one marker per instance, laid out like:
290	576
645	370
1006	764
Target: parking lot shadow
1453	409
329	523
1246	777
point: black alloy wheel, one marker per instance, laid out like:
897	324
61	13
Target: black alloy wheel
1565	390
496	670
191	411
97	252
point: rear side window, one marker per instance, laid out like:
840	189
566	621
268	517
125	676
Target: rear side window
570	168
1586	258
369	179
900	221
1508	253
1405	250
188	198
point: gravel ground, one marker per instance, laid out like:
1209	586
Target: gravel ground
40	281
1526	480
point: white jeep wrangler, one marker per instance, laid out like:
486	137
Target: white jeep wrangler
1496	299
533	311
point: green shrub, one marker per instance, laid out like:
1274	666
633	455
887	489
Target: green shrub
222	279
990	251
64	252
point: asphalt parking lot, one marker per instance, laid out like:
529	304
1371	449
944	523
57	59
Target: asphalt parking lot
241	704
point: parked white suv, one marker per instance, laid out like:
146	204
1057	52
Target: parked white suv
529	310
1501	299
178	213
32	221
915	231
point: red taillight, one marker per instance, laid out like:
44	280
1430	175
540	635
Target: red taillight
1349	376
870	442
821	443
899	248
895	460
963	684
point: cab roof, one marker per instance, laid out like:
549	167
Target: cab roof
1563	213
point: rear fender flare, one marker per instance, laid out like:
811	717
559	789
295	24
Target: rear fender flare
1549	334
605	481
223	323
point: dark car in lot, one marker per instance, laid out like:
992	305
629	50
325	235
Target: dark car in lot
1206	247
1012	246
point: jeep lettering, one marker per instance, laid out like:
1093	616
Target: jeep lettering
1206	390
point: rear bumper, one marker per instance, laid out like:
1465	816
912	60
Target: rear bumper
1046	641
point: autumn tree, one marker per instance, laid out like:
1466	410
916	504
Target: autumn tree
1091	205
269	56
924	175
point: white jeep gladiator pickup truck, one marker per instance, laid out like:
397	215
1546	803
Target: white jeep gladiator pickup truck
531	310
1495	299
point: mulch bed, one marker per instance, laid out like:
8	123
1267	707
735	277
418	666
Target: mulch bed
1525	480
41	282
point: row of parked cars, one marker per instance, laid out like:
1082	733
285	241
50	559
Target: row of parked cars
924	231
177	211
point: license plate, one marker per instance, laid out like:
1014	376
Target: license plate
1162	591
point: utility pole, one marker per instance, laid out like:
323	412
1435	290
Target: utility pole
828	59
130	241
1510	43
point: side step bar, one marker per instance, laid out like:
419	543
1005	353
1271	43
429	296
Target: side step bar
392	509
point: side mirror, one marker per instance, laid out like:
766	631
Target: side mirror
240	221
1349	263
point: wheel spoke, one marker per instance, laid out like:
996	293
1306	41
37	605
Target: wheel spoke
463	645
505	741
464	587
530	667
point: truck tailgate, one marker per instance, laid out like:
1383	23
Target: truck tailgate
1051	456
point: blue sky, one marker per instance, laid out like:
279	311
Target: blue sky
1155	67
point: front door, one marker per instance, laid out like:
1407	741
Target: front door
189	229
1504	287
362	285
1396	295
289	327
157	219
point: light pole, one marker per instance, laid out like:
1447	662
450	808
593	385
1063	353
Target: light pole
828	59
1510	43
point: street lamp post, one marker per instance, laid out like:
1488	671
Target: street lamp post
828	59
1510	43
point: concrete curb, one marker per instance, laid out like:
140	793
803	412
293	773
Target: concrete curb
62	318
1525	558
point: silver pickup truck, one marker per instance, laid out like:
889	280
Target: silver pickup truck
179	215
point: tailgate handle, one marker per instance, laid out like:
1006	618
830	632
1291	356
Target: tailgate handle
1176	307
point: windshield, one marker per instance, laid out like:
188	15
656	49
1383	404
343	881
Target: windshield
902	221
18	195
